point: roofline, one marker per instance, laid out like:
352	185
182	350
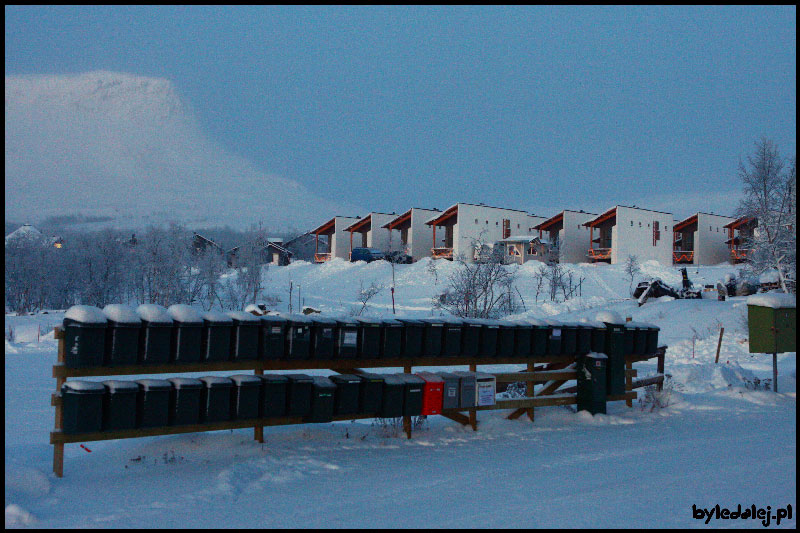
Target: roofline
399	219
444	215
541	226
694	219
601	218
316	231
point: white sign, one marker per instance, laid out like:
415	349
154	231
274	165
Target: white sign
486	392
350	338
556	332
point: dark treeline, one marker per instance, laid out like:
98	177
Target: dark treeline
159	265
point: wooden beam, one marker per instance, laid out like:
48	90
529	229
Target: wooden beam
628	381
531	376
62	371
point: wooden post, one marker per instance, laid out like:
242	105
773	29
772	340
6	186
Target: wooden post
719	343
660	367
775	371
258	431
628	382
529	391
58	449
406	419
473	413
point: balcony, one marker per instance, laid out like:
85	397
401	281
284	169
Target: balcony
682	256
442	253
321	258
739	255
599	254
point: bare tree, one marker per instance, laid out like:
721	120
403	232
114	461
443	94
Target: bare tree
632	270
480	289
365	295
770	198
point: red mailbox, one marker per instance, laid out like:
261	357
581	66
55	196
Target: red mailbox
432	393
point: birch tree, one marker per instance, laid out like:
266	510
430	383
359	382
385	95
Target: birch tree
770	198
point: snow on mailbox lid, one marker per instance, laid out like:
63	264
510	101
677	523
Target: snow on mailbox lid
121	314
87	314
184	314
241	316
153	313
216	316
774	300
609	317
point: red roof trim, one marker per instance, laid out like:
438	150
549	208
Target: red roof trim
452	212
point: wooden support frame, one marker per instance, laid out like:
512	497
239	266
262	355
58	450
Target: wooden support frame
551	369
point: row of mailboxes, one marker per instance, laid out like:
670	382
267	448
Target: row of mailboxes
119	335
117	405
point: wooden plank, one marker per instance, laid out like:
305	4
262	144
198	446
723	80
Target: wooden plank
539	377
337	365
473	419
407	426
654	380
58	332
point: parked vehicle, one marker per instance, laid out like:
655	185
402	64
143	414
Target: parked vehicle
366	254
399	258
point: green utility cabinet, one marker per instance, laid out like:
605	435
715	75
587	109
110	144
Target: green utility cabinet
772	324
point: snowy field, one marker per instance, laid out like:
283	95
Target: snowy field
718	441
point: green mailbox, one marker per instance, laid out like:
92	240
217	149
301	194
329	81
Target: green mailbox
772	323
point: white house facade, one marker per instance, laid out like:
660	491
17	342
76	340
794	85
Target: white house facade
701	239
624	231
338	239
466	226
369	231
567	233
410	234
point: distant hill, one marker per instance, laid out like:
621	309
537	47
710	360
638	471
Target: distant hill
114	149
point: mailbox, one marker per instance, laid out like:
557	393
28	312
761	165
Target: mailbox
432	393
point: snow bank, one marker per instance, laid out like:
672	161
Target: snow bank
122	314
154	313
184	314
609	317
775	300
88	314
258	309
16	516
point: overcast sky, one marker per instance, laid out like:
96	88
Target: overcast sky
531	108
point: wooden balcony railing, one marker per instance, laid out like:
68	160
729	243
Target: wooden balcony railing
442	253
321	258
599	254
739	255
682	256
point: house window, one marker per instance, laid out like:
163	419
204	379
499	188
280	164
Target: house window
476	220
632	223
640	224
531	249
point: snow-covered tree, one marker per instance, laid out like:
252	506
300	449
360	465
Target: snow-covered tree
770	198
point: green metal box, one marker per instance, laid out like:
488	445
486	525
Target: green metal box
773	329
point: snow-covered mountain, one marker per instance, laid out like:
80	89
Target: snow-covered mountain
107	144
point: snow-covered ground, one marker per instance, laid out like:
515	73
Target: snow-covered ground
717	442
